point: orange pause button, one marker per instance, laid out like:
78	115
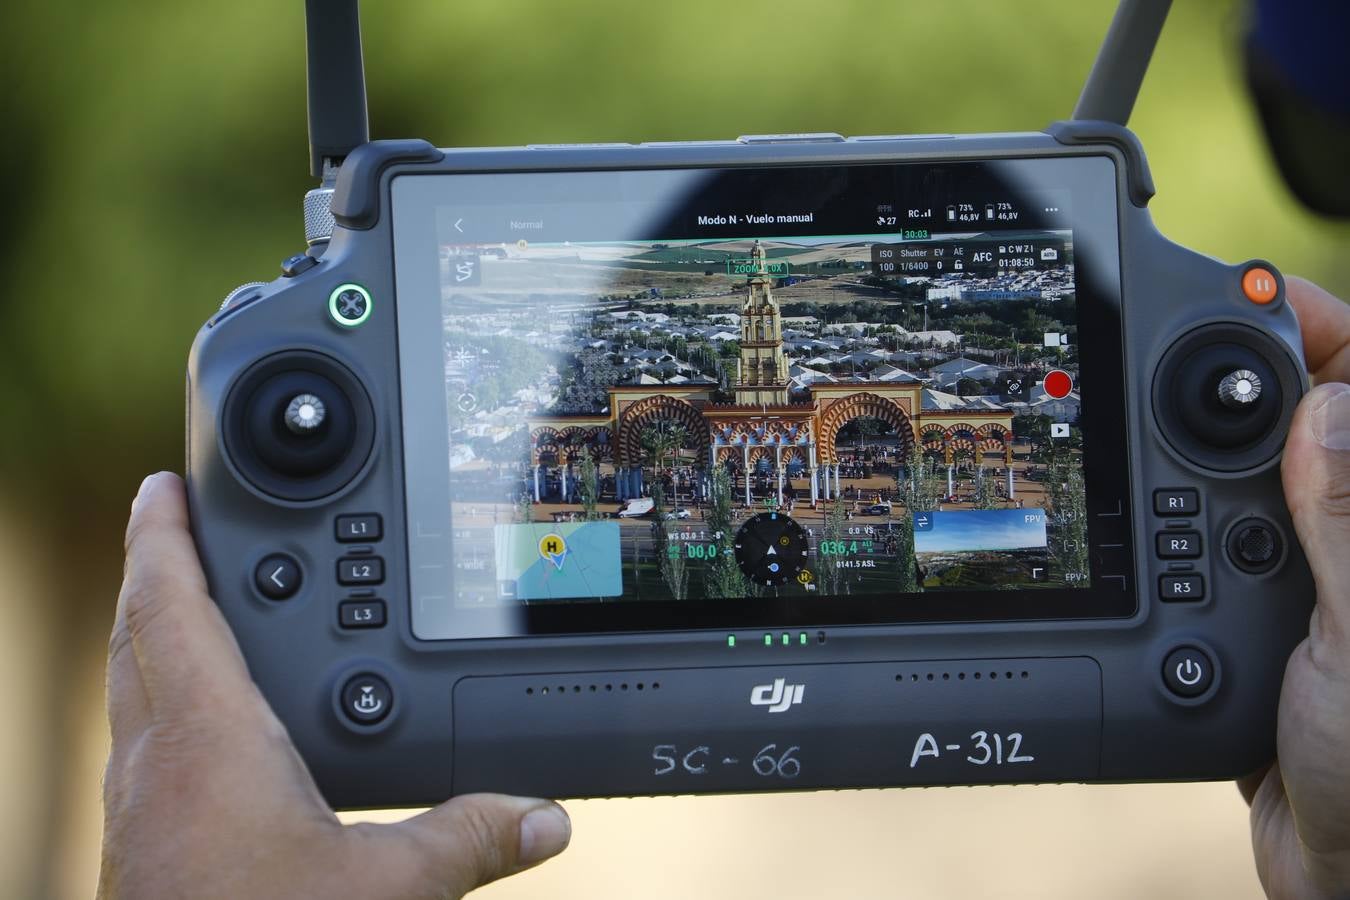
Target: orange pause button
1259	285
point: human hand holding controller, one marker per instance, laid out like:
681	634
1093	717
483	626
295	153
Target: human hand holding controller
206	796
1300	806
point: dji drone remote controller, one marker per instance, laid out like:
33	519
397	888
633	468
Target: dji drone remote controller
783	462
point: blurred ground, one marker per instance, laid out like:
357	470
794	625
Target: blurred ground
156	158
1164	842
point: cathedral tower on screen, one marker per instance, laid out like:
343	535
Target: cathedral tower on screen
763	377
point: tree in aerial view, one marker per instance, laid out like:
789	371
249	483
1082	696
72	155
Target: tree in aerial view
662	441
588	486
986	494
1066	519
832	581
723	578
920	487
670	561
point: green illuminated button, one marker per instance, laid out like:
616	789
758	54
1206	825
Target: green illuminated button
349	305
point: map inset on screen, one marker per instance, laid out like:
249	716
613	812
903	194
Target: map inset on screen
551	562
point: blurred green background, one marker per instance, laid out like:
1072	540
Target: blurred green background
155	157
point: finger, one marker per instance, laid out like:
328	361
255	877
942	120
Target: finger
478	838
185	653
128	708
1325	323
1316	472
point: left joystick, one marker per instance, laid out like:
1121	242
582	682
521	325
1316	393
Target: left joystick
305	414
299	426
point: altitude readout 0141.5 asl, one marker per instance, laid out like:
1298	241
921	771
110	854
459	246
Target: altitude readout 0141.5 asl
977	257
784	761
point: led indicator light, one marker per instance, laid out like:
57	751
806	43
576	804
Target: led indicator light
349	304
787	639
803	638
731	640
768	640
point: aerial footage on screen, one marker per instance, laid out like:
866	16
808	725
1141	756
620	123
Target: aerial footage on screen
661	394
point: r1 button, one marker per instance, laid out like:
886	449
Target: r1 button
1188	672
1176	502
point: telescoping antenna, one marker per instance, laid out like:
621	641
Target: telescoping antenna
336	84
1113	84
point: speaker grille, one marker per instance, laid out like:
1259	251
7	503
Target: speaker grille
563	689
921	676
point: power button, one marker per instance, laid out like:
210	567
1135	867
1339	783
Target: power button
1188	672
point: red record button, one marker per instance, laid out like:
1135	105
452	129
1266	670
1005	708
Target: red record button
1057	384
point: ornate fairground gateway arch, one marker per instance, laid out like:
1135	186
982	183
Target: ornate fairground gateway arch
762	424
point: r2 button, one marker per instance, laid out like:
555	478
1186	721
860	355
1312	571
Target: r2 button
1178	544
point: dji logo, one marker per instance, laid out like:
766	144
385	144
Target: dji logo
777	696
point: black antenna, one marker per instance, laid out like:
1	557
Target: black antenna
337	83
1113	84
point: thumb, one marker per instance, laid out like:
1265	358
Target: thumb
1316	472
186	656
475	839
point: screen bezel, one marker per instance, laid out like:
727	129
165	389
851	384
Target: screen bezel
1090	181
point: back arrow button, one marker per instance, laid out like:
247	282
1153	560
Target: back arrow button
277	577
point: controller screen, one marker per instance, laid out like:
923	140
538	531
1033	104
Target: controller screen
675	399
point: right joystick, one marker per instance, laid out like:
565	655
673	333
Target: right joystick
1224	395
1239	389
